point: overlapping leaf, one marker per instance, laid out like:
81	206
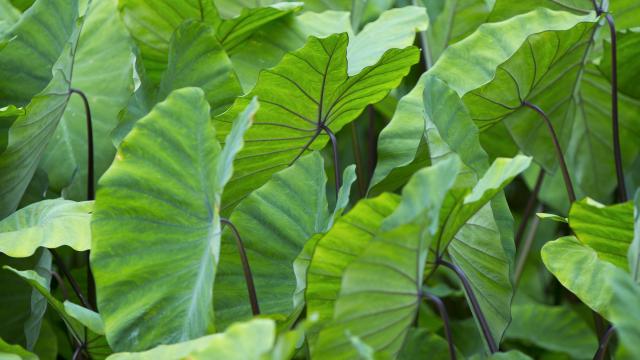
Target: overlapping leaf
316	76
381	289
40	35
275	222
104	75
607	230
50	224
159	207
602	286
29	133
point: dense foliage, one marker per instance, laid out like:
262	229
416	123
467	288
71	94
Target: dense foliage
333	179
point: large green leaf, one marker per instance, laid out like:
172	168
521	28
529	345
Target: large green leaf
196	58
152	24
275	222
158	205
29	133
48	223
446	128
251	340
545	60
606	229
381	290
602	286
316	76
555	328
104	75
36	42
339	247
634	249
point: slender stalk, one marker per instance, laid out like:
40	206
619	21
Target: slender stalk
373	141
63	286
91	193
531	203
355	144
426	53
248	277
524	251
445	319
617	152
604	343
486	332
336	159
556	144
72	280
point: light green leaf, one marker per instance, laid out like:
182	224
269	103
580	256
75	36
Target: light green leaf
40	35
275	222
607	230
339	247
554	328
380	290
48	223
602	286
38	302
242	341
634	249
196	58
158	204
15	352
395	28
29	133
104	75
510	355
86	317
316	76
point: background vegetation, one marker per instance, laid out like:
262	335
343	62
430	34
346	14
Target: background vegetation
222	179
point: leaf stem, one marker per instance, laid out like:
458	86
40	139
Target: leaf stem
91	192
531	203
486	332
336	158
355	144
445	319
248	277
556	144
604	343
373	141
523	252
74	284
617	152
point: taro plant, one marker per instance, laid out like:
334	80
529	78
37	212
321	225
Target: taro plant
240	179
